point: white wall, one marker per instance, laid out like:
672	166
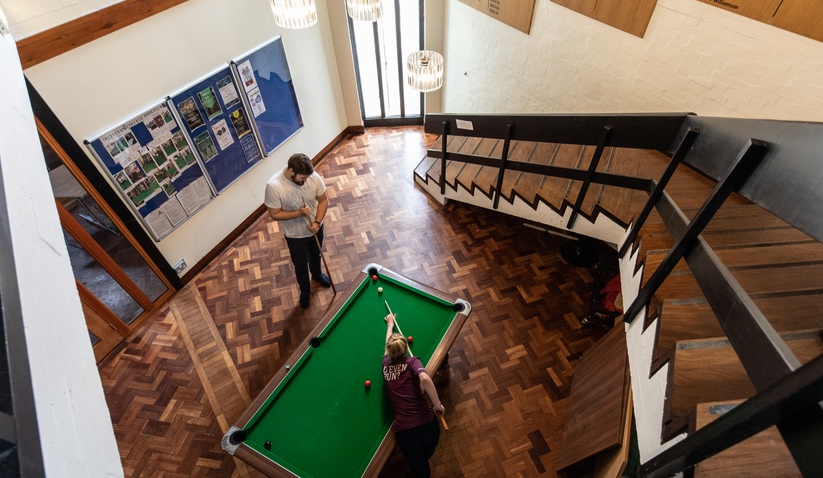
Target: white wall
694	58
73	420
101	83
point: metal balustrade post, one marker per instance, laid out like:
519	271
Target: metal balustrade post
598	153
503	164
746	162
684	147
444	145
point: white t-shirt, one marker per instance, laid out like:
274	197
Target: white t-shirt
283	193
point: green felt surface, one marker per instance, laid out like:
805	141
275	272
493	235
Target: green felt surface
321	420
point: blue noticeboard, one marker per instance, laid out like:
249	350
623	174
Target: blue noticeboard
266	82
213	114
153	166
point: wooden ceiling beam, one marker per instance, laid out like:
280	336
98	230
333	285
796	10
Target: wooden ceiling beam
63	38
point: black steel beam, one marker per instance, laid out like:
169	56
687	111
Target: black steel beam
587	180
746	161
647	131
654	197
609	179
444	144
788	400
504	159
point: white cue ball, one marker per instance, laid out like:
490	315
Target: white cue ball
380	290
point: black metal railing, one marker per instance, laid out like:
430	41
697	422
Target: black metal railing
642	131
788	395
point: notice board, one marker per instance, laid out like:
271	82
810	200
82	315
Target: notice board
154	167
171	159
213	115
268	89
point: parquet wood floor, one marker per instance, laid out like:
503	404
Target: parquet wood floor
180	381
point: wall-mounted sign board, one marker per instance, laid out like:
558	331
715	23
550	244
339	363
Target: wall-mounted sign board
213	116
514	13
154	167
171	159
630	16
797	16
268	89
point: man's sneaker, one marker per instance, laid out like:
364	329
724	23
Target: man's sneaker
304	300
322	279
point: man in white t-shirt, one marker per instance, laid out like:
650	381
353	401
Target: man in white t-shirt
296	196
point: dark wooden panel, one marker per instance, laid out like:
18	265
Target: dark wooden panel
597	403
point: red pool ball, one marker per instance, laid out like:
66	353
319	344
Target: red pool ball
368	383
411	339
374	277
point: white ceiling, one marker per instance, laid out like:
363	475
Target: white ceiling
29	17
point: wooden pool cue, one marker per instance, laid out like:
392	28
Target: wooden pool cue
408	350
322	256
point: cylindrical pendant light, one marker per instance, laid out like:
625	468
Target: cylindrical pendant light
424	70
365	10
294	14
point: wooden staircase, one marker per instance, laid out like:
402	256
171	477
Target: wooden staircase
606	210
778	266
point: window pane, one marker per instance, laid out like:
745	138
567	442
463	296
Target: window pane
398	101
367	68
411	42
388	50
92	275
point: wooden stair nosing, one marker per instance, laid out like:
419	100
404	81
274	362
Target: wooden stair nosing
765	453
727	377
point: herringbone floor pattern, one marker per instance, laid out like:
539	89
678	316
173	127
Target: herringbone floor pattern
178	383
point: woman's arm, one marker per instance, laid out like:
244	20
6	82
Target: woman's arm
389	329
427	385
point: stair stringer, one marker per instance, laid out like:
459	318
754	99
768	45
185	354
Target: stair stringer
648	393
603	227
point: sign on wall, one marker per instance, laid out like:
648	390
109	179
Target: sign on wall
515	13
797	16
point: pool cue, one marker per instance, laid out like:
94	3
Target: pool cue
322	256
438	415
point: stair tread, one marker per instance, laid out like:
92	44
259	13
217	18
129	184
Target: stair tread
765	452
553	189
692	321
615	200
708	370
519	151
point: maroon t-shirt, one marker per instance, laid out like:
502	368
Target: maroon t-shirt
402	381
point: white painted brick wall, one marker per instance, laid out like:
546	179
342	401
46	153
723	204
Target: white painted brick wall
694	57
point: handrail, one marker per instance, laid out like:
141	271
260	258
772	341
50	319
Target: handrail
647	131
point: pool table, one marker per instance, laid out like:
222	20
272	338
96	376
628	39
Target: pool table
316	417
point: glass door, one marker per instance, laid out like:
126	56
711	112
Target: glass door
117	284
380	50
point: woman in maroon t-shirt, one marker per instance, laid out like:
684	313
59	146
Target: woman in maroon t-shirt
415	423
